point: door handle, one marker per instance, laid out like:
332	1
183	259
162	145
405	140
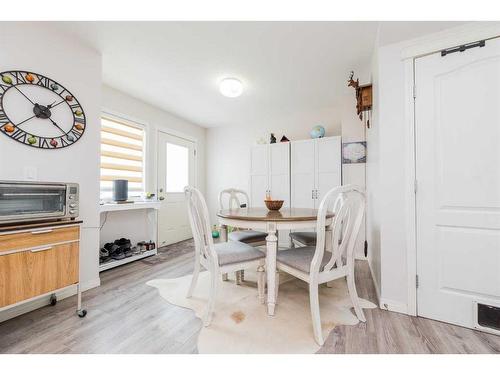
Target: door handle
42	231
41	249
161	198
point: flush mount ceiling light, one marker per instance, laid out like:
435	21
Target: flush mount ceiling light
231	87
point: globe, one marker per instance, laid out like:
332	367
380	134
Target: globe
317	132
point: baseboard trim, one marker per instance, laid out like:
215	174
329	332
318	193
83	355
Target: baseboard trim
377	288
44	301
394	306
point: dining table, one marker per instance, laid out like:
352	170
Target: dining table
262	219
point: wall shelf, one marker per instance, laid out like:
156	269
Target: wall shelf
109	207
116	263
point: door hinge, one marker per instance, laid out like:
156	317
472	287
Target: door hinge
414	91
416	281
415	186
195	152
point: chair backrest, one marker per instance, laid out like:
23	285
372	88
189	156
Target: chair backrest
234	199
200	226
348	204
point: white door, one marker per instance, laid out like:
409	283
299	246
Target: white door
302	170
458	176
176	168
279	172
328	166
259	175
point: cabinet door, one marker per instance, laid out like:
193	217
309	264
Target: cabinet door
30	273
302	170
328	165
279	172
259	175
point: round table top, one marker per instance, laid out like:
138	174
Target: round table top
263	214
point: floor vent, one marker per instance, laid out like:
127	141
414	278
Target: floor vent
487	317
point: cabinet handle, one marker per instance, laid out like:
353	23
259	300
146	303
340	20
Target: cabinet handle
42	231
41	249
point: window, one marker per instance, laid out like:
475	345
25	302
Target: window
122	155
177	168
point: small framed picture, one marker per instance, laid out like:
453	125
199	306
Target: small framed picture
354	152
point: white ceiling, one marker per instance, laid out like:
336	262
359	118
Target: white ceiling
288	68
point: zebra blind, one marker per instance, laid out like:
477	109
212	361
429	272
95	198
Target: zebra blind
122	156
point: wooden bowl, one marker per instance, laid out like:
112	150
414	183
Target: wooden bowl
273	205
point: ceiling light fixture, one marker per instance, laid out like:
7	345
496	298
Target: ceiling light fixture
231	87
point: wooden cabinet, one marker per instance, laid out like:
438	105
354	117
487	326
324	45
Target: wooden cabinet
37	261
316	167
270	173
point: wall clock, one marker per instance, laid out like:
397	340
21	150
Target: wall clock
39	112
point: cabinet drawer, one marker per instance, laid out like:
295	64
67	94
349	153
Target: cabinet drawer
38	237
30	273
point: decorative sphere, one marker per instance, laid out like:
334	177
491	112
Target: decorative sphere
317	132
215	234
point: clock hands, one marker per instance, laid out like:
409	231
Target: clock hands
22	122
22	93
57	126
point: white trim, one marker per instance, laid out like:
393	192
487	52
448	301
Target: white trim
24	307
394	306
422	47
375	283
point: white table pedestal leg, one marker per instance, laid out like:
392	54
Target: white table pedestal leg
272	248
223	237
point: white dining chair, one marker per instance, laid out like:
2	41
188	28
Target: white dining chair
333	255
309	238
236	198
218	258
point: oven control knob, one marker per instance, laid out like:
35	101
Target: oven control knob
72	205
71	197
72	211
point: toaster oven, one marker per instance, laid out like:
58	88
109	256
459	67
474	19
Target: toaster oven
22	201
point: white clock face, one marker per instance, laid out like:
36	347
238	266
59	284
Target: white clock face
38	111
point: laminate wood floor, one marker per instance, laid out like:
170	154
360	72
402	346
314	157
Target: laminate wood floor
127	316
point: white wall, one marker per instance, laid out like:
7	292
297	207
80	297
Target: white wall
135	224
79	69
353	130
228	149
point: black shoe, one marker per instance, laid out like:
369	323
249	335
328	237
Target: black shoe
123	243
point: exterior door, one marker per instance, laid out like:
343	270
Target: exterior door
458	183
176	169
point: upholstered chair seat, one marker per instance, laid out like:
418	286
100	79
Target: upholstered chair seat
300	258
247	236
304	238
236	252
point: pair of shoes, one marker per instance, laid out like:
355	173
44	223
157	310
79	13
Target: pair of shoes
115	251
104	256
125	245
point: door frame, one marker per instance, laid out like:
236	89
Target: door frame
431	44
181	135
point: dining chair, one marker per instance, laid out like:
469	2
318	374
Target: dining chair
236	198
218	258
333	255
307	238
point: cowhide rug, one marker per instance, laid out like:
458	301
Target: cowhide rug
241	324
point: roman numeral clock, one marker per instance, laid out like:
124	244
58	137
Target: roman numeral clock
39	112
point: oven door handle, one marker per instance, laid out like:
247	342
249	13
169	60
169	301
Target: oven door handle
29	194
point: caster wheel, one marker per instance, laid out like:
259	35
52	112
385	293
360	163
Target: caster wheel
53	300
82	313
